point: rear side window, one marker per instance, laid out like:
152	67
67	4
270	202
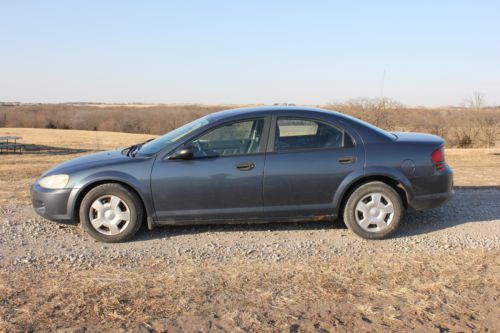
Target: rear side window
303	134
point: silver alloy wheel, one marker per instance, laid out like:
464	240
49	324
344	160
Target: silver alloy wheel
374	212
109	215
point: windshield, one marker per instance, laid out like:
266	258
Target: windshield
158	144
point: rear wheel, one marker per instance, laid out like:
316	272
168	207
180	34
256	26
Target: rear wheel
373	210
111	213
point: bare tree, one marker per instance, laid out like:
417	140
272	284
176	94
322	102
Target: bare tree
476	101
375	110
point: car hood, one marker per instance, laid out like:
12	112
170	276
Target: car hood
418	138
100	159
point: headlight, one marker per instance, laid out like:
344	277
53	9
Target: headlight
54	182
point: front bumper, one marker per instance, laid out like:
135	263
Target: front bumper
51	204
433	191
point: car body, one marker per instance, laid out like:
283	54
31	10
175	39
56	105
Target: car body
247	165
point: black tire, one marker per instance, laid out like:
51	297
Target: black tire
128	197
365	192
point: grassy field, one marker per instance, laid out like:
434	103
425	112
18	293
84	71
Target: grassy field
445	290
473	167
19	171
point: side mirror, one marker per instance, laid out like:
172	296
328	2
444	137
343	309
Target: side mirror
183	154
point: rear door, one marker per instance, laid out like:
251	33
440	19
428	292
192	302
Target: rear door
307	160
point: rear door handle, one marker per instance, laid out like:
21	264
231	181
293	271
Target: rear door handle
245	166
346	159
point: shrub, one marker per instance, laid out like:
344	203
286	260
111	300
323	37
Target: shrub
461	127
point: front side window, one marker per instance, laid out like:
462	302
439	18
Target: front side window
303	134
238	138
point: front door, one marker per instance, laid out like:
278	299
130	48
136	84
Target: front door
222	181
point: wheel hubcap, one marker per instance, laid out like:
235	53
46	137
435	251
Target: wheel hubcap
374	212
109	215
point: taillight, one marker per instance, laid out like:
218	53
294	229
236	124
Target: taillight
437	158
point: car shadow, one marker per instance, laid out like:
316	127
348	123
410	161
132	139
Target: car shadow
173	231
468	205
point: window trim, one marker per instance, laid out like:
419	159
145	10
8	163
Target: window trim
262	145
274	124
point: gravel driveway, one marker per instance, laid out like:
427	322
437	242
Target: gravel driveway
471	220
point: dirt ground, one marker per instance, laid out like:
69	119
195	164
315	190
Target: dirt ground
439	273
439	292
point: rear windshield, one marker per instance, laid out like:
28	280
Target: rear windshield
374	128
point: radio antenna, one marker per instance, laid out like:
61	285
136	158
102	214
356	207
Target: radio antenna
382	85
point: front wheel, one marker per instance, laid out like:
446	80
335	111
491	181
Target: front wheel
373	210
111	213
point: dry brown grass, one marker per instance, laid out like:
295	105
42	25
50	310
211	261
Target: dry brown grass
18	172
408	292
473	167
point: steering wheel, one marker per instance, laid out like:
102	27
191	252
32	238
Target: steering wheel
199	148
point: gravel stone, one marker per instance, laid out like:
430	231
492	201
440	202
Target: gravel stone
470	220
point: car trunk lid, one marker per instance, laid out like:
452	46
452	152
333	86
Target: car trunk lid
411	137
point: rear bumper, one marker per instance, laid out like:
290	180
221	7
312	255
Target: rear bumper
430	200
436	190
51	204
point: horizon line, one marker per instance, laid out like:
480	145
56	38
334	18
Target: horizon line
152	104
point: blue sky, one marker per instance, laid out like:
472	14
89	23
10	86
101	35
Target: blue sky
304	52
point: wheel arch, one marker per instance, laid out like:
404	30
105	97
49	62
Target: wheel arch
400	184
85	188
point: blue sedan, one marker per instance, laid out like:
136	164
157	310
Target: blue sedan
250	165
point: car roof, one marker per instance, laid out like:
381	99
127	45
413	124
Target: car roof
369	132
268	109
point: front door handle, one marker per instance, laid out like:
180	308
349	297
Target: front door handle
346	159
245	166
